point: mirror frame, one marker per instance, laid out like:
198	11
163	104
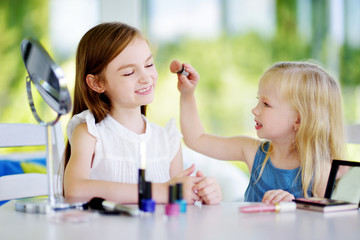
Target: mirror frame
333	173
57	97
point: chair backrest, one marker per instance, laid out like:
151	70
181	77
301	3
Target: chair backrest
353	134
24	134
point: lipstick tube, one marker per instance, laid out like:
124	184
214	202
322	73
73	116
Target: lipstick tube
141	185
277	207
141	177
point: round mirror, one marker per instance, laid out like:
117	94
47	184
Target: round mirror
47	77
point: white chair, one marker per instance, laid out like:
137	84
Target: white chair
233	181
353	134
22	134
353	141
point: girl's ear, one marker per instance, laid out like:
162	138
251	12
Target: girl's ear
297	123
94	83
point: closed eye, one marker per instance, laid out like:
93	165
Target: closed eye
128	74
149	65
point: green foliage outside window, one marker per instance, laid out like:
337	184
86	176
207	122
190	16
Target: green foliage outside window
18	19
229	66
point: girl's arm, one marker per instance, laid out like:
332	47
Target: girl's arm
224	148
176	165
77	182
176	176
207	188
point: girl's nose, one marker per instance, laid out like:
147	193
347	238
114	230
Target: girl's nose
144	78
255	110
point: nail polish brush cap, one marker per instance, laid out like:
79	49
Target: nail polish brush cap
172	194
179	191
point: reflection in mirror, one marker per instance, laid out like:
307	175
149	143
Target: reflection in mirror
347	185
344	181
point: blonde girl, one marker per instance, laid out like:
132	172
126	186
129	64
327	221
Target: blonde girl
299	121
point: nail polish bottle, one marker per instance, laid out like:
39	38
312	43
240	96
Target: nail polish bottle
172	208
179	198
147	203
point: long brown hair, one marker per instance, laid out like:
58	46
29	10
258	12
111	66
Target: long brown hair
96	49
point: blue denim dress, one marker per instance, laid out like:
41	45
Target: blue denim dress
272	178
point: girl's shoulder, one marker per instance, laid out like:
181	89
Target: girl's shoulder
80	131
171	128
249	146
239	148
86	119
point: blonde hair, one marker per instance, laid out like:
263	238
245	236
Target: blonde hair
316	96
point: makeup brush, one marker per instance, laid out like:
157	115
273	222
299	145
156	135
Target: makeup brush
97	203
177	67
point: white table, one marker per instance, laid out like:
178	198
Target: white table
222	221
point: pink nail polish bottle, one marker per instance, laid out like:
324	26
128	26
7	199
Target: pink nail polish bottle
172	208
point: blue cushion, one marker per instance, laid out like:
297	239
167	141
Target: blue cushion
9	167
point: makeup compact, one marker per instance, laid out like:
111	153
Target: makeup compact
342	189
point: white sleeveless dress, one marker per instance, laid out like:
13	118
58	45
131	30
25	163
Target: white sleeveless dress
117	149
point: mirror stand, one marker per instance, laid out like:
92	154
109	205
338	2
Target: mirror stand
46	76
39	205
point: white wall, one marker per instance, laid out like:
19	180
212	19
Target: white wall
127	11
70	19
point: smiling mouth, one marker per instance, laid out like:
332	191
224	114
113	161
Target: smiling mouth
144	90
